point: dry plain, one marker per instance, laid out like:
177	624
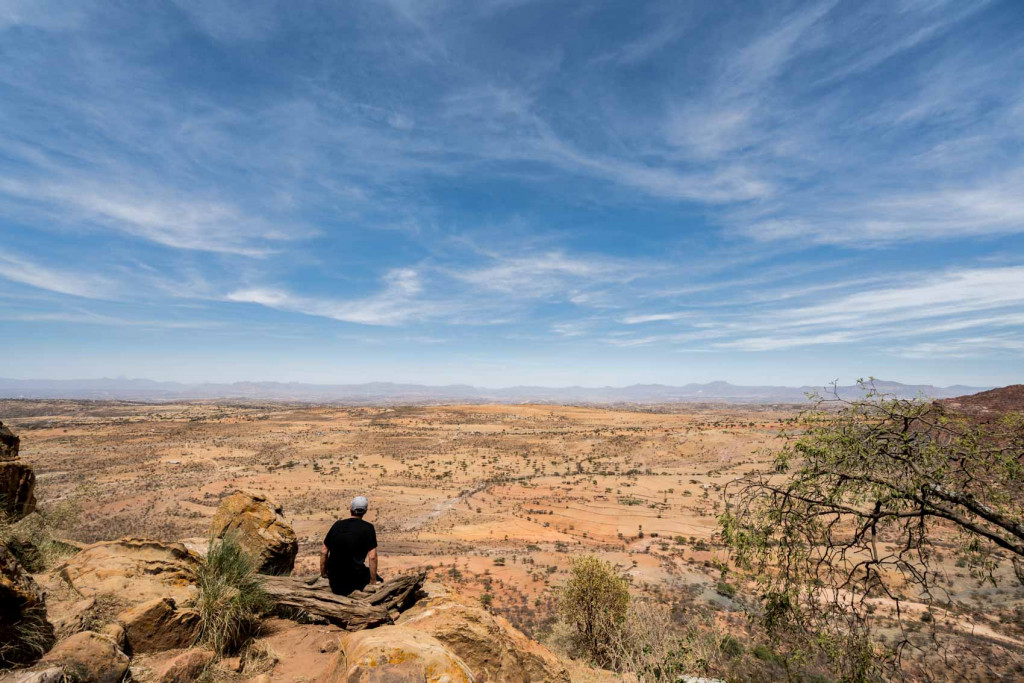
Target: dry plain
496	498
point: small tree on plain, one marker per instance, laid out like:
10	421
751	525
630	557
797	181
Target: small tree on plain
594	602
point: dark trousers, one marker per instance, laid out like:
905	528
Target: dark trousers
355	578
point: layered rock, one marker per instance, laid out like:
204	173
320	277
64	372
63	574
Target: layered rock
158	625
25	633
394	654
17	480
134	570
493	649
259	526
88	657
50	674
9	444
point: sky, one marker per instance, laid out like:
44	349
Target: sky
501	192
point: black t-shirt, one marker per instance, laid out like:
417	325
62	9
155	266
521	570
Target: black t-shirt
348	542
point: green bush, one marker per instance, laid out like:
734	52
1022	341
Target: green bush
232	601
725	589
593	603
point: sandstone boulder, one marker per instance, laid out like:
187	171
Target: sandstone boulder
134	570
257	522
158	625
186	667
8	444
393	654
493	648
50	674
88	657
25	634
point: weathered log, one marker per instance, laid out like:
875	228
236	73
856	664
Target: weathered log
354	612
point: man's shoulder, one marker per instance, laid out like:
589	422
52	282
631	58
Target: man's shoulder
352	523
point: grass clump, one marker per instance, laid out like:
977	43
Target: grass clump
35	539
232	601
25	633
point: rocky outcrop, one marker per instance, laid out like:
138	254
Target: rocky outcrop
9	444
134	570
51	674
186	667
493	649
88	657
25	634
394	654
258	525
17	480
158	625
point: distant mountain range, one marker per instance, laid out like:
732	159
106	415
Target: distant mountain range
387	392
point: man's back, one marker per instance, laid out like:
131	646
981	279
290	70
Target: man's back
348	542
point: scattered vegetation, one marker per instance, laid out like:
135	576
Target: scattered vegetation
35	541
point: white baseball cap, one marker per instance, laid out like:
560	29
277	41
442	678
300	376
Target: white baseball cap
359	504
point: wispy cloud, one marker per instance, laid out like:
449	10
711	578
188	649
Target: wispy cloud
836	176
397	303
61	281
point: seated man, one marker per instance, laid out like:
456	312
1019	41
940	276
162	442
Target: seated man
348	543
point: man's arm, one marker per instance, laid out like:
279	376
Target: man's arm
371	558
323	561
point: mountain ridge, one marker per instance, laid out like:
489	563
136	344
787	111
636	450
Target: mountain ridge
141	389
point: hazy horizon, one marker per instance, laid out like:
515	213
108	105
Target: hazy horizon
506	192
121	378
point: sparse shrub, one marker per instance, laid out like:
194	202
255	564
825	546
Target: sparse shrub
231	597
731	647
593	603
34	540
649	645
27	639
25	634
725	589
258	658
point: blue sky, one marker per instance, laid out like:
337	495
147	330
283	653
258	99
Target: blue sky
512	191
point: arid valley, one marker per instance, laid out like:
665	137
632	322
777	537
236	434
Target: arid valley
503	495
493	501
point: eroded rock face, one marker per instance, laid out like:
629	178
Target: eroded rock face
394	654
258	524
493	649
25	634
17	490
134	570
158	625
8	444
17	480
88	657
